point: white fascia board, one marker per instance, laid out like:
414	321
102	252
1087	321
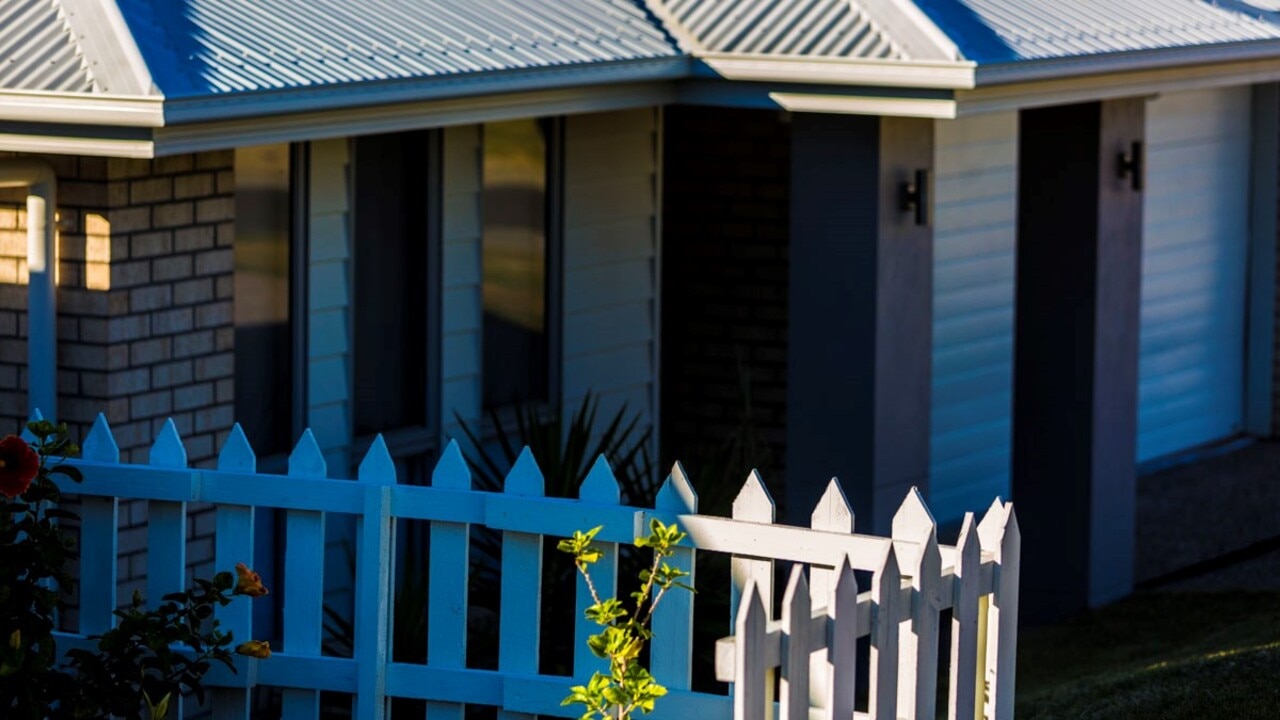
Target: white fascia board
943	75
293	101
1107	86
76	145
366	120
937	108
1026	71
84	108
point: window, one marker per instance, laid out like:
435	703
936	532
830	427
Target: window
517	261
264	280
392	215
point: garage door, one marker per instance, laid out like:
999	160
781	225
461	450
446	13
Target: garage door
1194	255
973	284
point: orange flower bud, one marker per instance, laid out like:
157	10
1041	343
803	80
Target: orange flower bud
260	649
249	582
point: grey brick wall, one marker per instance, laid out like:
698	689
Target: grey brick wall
725	226
144	315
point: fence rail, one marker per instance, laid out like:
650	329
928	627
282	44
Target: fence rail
813	645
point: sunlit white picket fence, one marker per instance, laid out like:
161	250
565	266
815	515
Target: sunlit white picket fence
813	645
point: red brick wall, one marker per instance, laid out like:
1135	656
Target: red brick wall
726	179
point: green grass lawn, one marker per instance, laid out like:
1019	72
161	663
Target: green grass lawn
1157	655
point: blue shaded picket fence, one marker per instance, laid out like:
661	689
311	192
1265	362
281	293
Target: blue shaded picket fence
812	646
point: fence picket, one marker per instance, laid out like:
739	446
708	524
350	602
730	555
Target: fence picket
831	514
962	701
753	504
918	640
449	569
303	579
600	487
842	644
998	532
233	543
798	643
750	689
521	602
886	586
167	529
671	651
99	538
375	566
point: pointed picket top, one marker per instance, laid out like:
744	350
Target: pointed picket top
306	460
753	502
889	570
842	609
377	467
968	543
167	450
100	445
525	477
677	494
237	454
600	486
833	512
913	521
993	523
452	470
36	416
797	589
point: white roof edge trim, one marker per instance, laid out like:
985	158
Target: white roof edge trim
1135	60
863	105
84	108
843	71
57	145
1089	88
352	96
366	120
684	39
109	47
909	27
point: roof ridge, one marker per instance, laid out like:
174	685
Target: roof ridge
113	59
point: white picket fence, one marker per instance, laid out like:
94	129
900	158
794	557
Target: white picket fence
814	644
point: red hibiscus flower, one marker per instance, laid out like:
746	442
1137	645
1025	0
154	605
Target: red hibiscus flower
18	466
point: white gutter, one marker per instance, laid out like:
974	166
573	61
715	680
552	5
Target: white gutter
936	74
1127	61
84	108
42	261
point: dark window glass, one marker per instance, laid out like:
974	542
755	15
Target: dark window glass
514	258
263	341
391	187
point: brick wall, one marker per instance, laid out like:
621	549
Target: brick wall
725	227
144	313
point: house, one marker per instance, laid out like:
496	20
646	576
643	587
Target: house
977	246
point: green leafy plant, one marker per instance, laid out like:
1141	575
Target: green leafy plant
628	687
138	667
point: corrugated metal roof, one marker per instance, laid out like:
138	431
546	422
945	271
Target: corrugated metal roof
202	47
38	49
993	31
812	28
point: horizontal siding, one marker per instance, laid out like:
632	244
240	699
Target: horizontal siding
609	253
1195	246
329	311
975	230
463	314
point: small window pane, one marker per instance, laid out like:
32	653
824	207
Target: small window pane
391	187
514	260
263	357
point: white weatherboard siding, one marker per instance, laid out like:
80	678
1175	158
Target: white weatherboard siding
1194	269
975	234
610	216
461	358
329	301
